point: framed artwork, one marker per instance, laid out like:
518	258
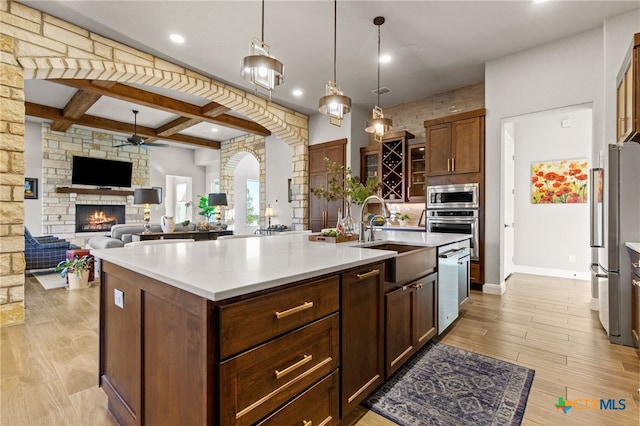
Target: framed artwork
421	221
30	189
560	182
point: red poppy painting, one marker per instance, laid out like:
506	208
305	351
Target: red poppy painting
554	182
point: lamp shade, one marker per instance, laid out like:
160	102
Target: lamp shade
268	212
217	199
146	196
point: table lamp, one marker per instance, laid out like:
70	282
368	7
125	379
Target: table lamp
218	199
269	213
146	196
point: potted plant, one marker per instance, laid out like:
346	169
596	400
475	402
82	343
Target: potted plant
403	218
207	211
342	185
77	271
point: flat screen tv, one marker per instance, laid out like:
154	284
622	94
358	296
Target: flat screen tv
101	172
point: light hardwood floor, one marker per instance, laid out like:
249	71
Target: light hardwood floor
48	366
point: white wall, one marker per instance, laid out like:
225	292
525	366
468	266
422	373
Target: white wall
248	168
175	161
278	169
33	169
559	74
547	234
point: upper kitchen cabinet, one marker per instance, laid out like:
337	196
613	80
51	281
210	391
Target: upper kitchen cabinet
628	95
369	163
393	165
455	144
416	185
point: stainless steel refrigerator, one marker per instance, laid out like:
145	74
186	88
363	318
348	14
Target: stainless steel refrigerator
615	220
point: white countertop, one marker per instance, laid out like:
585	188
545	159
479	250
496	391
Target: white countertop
222	269
634	246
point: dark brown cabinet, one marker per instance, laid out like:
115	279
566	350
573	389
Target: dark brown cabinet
411	320
362	337
455	144
323	213
369	163
417	185
628	95
635	295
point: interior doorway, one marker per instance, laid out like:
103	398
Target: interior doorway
545	238
246	204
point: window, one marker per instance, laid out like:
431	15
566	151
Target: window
253	202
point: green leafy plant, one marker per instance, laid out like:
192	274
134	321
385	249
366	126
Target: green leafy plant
76	265
342	185
402	216
205	209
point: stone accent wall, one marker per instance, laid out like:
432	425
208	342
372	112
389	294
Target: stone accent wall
58	149
35	45
412	115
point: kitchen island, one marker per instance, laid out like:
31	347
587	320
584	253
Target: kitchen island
243	331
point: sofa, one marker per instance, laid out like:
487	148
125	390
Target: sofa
44	252
122	234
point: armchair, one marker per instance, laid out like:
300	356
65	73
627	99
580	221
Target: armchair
44	252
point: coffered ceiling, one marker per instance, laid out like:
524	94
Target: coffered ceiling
434	46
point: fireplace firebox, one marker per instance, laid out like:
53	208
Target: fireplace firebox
98	218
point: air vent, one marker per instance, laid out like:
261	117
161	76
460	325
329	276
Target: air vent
381	91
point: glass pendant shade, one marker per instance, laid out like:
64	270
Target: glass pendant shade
378	124
334	104
262	69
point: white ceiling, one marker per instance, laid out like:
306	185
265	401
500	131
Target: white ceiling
435	45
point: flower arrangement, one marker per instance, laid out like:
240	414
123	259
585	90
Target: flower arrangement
343	185
402	216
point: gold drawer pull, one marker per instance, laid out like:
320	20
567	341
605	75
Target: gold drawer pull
635	282
307	423
304	306
369	274
418	285
636	264
305	359
448	164
453	164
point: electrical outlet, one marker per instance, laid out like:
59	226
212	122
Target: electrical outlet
118	298
572	258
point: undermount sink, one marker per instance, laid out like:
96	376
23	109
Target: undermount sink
410	263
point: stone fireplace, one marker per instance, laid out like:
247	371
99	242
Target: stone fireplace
98	217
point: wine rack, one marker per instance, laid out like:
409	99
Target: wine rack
393	170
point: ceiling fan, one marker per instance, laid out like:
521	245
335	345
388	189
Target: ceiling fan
135	139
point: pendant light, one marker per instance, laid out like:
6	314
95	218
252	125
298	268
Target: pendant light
334	104
378	124
260	68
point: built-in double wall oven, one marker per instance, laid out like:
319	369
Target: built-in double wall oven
454	209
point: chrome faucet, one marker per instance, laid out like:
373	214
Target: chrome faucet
363	227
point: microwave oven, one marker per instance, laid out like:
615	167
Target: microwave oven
457	196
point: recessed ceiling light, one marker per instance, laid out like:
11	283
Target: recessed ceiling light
297	92
177	38
213	129
385	58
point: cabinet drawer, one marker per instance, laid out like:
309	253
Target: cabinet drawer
317	406
250	322
258	381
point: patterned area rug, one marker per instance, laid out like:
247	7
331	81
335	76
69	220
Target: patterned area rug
443	385
50	280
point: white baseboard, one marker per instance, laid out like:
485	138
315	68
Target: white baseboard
595	304
560	273
498	289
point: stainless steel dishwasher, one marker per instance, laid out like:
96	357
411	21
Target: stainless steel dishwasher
453	273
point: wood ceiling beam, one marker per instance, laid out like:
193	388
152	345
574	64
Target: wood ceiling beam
76	107
51	113
176	126
165	103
